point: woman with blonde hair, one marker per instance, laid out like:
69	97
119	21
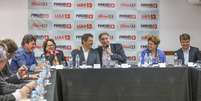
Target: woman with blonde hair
152	52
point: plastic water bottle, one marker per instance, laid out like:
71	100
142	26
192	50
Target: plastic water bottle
77	61
43	59
149	61
175	59
34	96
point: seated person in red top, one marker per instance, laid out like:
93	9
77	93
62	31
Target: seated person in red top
55	57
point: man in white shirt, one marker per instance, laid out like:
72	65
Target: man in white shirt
86	54
187	53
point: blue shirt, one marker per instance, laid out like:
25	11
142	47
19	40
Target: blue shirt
23	57
155	60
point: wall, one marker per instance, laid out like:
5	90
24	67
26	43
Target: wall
13	19
176	16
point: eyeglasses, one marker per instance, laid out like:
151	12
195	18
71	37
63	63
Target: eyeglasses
52	45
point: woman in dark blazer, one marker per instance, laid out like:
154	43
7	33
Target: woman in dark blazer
55	57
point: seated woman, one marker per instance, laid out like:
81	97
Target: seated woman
55	57
152	52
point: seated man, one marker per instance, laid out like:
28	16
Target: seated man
12	92
11	47
187	53
109	51
86	54
25	55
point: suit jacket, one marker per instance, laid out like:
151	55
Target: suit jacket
7	88
50	57
93	57
118	53
10	77
194	54
7	97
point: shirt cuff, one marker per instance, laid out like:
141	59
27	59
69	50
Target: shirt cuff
18	76
17	95
32	67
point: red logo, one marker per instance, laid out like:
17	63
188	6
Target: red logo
127	16
36	15
63	26
85	5
129	46
63	37
64	47
106	26
127	26
128	5
62	16
149	16
39	25
42	37
105	16
127	37
108	5
84	26
38	3
85	16
149	5
63	4
149	26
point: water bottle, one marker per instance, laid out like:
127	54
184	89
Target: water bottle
77	61
175	59
34	96
149	61
43	59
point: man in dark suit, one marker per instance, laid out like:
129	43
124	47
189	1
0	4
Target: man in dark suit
86	54
8	91
110	51
187	53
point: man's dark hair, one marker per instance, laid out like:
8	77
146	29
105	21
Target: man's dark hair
85	37
11	45
101	34
184	36
28	38
45	44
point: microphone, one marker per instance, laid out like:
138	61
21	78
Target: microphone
107	46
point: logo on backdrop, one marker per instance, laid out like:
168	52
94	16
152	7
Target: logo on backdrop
149	5
64	47
84	16
63	16
84	26
128	46
107	5
127	37
35	3
127	26
84	5
40	15
149	26
106	26
62	37
149	17
63	4
39	25
103	16
63	26
127	16
41	37
127	5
